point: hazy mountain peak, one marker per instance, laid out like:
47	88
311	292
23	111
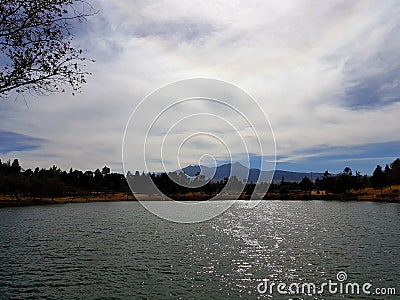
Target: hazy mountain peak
244	173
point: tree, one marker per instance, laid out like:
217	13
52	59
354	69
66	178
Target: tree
306	184
327	183
15	167
395	173
36	45
347	171
358	181
345	181
378	178
105	171
388	174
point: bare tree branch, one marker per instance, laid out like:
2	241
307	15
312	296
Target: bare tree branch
35	45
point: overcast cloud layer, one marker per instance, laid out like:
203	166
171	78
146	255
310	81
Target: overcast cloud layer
325	72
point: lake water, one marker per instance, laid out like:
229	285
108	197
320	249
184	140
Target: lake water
120	251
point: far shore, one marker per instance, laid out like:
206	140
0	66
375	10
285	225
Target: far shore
8	201
389	194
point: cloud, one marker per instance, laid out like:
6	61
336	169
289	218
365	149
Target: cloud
326	74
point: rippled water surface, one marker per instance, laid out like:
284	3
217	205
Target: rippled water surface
119	250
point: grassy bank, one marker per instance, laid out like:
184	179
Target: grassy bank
94	197
388	194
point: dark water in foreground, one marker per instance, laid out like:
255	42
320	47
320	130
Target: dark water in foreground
119	250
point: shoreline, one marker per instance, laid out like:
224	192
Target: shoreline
29	201
119	197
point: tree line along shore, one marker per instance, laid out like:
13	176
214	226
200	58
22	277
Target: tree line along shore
20	186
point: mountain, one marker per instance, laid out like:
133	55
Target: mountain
243	173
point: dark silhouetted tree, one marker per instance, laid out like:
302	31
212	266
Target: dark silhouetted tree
388	175
345	181
395	172
378	178
105	171
15	167
306	185
358	181
327	182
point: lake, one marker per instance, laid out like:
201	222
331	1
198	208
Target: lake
120	251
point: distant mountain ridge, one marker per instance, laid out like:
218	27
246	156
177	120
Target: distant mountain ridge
243	173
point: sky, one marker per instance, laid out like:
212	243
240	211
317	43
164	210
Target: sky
326	74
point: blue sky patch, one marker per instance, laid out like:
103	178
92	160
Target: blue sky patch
12	141
363	158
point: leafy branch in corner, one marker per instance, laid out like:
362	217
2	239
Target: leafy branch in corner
37	54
